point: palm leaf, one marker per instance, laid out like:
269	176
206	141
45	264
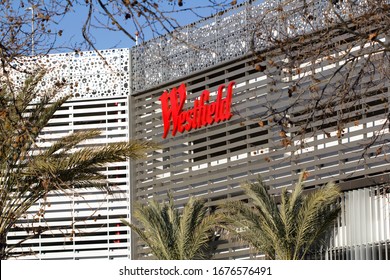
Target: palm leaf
172	234
286	231
29	173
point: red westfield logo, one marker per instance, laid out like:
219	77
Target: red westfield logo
202	114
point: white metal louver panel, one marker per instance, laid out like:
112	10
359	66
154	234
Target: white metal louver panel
363	228
85	224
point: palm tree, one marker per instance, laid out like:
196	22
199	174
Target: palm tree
172	234
288	230
27	172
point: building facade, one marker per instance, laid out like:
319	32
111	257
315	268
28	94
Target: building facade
211	142
86	223
279	123
211	162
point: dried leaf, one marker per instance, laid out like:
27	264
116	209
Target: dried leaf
314	88
260	68
372	36
305	175
286	142
3	115
291	90
282	134
330	58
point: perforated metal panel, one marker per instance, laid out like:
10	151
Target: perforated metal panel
87	74
232	34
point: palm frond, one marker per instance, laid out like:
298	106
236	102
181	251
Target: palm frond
172	234
286	231
68	142
29	173
317	213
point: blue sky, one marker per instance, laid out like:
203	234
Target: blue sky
105	39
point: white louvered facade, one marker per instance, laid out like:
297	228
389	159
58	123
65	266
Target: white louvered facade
362	231
85	224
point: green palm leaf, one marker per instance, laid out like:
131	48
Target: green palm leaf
287	230
28	173
172	234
